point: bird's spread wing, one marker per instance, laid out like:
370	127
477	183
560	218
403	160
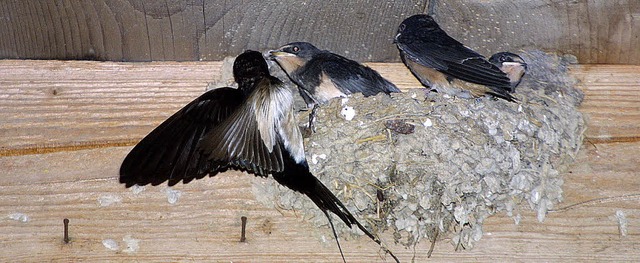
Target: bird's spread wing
169	152
448	56
249	139
351	77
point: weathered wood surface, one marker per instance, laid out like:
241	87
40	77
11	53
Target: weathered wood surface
91	103
595	31
612	101
57	105
99	106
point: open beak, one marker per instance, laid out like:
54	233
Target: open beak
274	53
280	53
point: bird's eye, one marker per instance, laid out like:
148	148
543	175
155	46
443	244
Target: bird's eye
295	49
504	58
402	27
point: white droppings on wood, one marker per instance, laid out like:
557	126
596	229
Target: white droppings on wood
172	195
622	222
20	217
109	199
137	189
133	245
110	244
516	219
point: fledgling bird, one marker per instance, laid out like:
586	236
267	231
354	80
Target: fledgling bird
446	65
511	64
251	129
322	75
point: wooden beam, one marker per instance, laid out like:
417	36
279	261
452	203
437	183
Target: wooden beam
595	31
91	104
204	224
612	101
80	113
56	105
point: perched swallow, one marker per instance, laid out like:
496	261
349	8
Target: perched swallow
251	129
511	64
322	75
446	65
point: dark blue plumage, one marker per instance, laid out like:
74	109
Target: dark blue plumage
440	62
322	75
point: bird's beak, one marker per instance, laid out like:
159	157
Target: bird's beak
279	53
395	39
515	64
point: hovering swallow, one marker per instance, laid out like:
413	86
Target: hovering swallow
446	65
251	129
512	65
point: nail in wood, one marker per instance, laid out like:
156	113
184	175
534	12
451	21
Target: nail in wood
244	227
66	230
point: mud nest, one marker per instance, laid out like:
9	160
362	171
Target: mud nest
424	165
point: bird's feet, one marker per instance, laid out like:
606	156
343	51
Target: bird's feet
312	118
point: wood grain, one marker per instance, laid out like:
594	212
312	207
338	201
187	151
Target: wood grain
612	101
54	105
594	31
186	30
81	113
204	225
144	30
39	113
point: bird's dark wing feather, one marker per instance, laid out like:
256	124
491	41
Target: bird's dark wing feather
449	56
352	77
169	152
239	142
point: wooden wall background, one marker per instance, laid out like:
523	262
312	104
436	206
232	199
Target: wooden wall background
66	125
596	31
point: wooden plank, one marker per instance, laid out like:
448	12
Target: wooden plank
116	104
612	101
143	30
595	31
54	105
204	224
91	104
